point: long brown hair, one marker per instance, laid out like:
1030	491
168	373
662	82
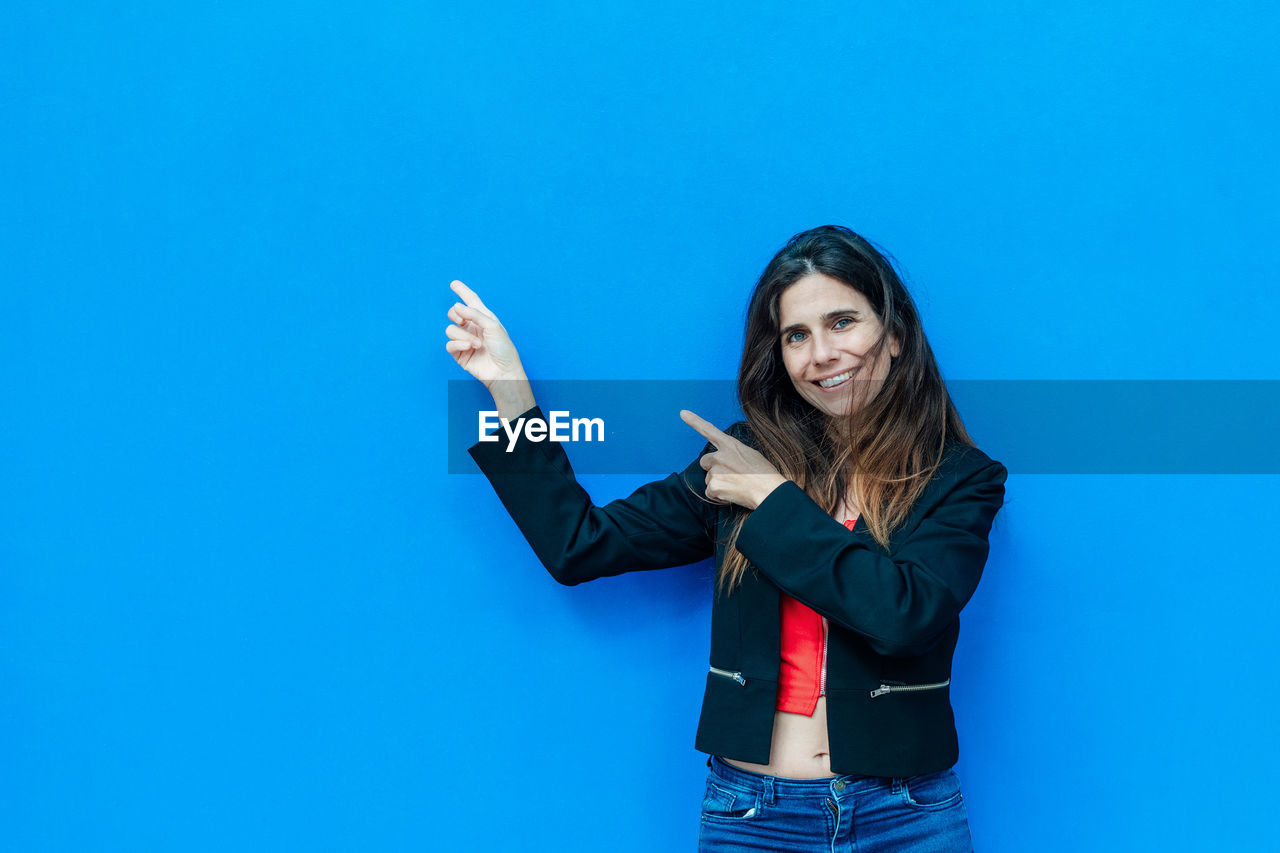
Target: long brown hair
881	454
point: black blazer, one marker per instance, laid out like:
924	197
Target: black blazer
893	614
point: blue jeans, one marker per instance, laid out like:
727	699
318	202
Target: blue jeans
838	814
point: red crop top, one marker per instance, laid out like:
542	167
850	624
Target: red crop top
802	676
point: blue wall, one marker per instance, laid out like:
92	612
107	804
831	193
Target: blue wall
243	605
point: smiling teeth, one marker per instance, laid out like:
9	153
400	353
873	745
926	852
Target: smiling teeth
835	380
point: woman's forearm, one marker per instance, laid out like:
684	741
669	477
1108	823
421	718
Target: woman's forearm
661	524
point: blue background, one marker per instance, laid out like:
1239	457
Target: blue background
243	605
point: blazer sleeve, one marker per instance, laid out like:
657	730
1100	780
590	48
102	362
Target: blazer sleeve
900	601
662	524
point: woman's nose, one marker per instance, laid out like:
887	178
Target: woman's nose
823	351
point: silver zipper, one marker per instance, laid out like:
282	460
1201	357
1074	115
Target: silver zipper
736	676
822	679
897	688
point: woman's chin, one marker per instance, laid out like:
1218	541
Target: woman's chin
836	405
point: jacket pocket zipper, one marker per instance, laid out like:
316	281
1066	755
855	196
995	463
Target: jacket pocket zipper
736	676
896	688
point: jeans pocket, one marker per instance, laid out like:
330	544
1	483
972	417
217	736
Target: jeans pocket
932	791
724	803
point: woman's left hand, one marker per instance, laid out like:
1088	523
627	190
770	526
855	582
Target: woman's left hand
735	473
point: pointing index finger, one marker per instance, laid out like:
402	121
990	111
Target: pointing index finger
707	430
468	295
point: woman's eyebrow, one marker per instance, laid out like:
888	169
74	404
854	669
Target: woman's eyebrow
830	315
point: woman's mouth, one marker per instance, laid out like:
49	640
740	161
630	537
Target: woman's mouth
836	381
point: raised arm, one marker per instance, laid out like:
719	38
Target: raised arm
662	524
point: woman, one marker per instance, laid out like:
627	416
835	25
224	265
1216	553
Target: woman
849	519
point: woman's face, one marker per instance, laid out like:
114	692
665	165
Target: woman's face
828	330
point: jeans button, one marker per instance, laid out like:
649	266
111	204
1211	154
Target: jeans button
839	785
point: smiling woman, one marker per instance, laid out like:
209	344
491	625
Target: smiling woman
830	335
848	516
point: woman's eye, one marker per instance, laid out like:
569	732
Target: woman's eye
843	322
795	337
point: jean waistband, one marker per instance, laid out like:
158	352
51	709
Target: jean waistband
848	782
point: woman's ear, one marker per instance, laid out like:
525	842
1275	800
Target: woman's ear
894	348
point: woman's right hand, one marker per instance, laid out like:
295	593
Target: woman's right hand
478	341
482	347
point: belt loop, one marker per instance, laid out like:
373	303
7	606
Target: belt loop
708	761
768	791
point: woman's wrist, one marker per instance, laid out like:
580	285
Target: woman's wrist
512	397
768	485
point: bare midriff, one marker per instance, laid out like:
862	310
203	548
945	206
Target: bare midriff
800	748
